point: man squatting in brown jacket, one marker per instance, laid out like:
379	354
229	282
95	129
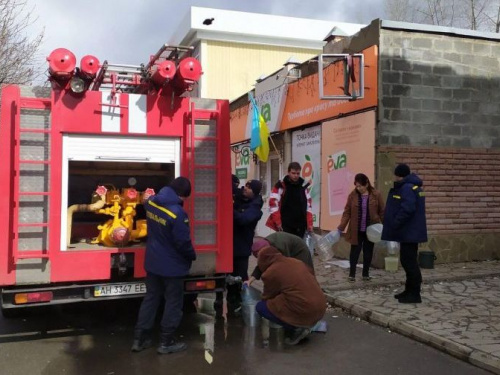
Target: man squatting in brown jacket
287	244
292	297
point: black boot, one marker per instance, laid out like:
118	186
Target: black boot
410	298
168	344
401	294
405	292
412	295
142	340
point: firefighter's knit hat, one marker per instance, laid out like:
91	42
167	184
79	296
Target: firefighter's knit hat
402	170
181	186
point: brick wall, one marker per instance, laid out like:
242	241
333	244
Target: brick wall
462	186
438	90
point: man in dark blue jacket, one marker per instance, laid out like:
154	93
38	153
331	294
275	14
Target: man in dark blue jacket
404	222
246	215
169	254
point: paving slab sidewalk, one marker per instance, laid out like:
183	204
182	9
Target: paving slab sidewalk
459	313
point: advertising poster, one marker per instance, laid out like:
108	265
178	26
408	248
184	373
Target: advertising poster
306	151
348	148
242	164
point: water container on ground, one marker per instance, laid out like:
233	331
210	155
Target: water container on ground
391	264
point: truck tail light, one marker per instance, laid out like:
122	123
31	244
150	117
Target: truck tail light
23	298
192	286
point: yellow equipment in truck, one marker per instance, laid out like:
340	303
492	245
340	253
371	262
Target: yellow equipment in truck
119	230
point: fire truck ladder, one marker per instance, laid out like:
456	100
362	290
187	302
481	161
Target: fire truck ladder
133	78
199	161
32	104
118	77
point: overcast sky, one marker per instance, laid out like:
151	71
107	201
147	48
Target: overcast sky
128	31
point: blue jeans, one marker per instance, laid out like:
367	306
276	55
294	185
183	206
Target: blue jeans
265	313
172	290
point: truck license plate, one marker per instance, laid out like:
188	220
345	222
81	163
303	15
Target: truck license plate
119	289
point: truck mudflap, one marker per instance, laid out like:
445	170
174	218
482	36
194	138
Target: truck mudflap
26	296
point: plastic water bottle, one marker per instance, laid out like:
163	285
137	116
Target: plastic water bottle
246	295
249	299
310	242
325	244
392	247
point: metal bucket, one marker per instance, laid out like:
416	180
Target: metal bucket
251	317
426	259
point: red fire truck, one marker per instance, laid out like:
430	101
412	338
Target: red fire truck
79	157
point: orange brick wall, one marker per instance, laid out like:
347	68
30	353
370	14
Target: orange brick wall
462	186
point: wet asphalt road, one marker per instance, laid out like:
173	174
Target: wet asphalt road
96	338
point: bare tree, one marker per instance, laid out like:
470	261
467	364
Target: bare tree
399	10
17	49
497	20
471	14
475	14
493	16
437	12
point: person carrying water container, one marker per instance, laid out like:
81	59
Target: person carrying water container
404	222
291	297
364	207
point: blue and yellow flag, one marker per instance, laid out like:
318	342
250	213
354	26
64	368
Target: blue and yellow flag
259	142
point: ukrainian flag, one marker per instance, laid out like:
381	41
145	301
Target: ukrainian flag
259	142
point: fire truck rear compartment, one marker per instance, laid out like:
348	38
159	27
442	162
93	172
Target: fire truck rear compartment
85	176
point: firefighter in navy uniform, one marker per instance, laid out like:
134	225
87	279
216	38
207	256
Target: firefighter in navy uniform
169	254
404	222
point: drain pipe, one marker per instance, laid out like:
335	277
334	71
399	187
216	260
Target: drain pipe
82	208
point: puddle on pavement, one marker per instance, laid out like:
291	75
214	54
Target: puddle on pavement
220	330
